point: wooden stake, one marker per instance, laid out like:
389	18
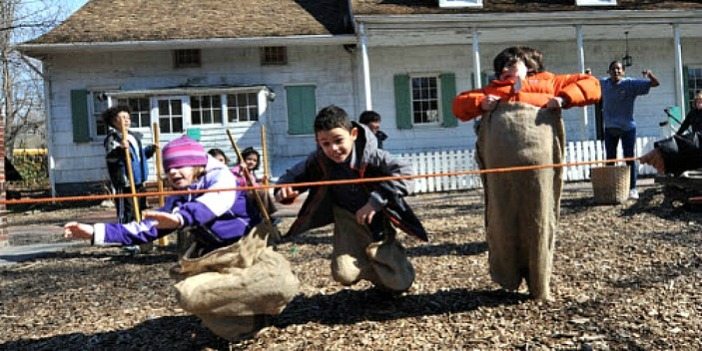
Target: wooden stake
259	202
130	173
162	241
264	156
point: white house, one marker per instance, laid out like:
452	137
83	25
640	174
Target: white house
204	66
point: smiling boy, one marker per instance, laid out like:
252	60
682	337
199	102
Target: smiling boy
364	238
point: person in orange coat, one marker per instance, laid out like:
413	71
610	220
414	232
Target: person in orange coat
521	125
521	78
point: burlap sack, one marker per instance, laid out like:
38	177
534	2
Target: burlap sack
522	208
232	288
356	256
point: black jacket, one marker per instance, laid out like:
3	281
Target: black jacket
370	162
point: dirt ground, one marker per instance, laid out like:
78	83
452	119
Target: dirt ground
625	277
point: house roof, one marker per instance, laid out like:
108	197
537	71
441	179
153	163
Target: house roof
138	20
410	7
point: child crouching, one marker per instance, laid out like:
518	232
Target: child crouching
228	277
364	238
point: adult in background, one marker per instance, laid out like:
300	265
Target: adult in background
372	120
618	96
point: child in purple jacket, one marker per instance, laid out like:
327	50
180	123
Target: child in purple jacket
229	277
216	218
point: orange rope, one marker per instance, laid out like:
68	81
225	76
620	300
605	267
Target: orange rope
312	184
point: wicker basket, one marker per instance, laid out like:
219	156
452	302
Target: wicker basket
610	184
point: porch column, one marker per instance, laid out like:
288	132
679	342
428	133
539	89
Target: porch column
581	68
679	79
477	81
366	68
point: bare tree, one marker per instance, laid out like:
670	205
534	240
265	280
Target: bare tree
22	84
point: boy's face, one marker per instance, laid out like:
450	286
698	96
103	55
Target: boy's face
374	126
122	119
698	102
616	72
180	178
513	70
337	143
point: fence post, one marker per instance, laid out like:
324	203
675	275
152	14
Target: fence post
4	237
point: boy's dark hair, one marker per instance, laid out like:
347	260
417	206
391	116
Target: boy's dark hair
532	58
112	112
369	116
251	151
614	63
331	117
218	152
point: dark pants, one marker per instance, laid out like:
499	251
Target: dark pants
125	205
628	138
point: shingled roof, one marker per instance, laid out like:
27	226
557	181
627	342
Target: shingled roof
410	7
138	20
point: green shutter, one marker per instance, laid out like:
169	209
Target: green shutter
448	93
302	108
80	116
403	110
686	90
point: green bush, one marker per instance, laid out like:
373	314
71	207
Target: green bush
34	170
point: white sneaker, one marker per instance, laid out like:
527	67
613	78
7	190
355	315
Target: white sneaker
634	194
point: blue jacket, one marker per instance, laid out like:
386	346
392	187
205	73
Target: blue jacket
228	215
116	161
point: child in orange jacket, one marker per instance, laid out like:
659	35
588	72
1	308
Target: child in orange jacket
521	125
521	78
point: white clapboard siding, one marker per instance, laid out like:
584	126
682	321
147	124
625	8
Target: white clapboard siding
451	161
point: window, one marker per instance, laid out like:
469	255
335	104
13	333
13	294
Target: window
141	111
460	3
242	107
693	84
274	55
99	105
186	58
425	100
170	115
596	2
205	109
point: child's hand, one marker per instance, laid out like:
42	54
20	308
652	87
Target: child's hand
365	214
556	102
78	231
489	103
163	220
286	195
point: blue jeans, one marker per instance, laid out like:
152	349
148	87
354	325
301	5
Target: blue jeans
628	137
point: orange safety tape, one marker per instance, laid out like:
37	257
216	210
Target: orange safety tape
311	184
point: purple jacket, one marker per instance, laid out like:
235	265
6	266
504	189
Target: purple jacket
227	214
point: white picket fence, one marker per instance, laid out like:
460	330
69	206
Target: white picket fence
430	163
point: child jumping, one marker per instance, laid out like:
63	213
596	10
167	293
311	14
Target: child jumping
522	126
364	238
229	278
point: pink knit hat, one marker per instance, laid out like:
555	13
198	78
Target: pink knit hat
183	152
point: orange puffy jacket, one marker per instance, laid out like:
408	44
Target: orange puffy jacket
537	90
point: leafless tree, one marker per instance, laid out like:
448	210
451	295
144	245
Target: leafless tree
22	85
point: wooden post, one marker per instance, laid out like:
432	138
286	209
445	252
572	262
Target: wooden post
163	241
264	156
135	200
261	207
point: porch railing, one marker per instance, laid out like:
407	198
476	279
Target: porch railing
461	160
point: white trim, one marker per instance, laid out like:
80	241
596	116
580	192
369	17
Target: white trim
39	49
452	4
440	117
596	2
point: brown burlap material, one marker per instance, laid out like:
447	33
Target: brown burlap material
356	256
521	208
231	288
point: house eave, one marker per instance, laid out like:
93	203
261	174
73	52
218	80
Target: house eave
540	19
38	50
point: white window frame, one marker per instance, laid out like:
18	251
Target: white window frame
222	104
439	119
596	2
184	95
460	3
